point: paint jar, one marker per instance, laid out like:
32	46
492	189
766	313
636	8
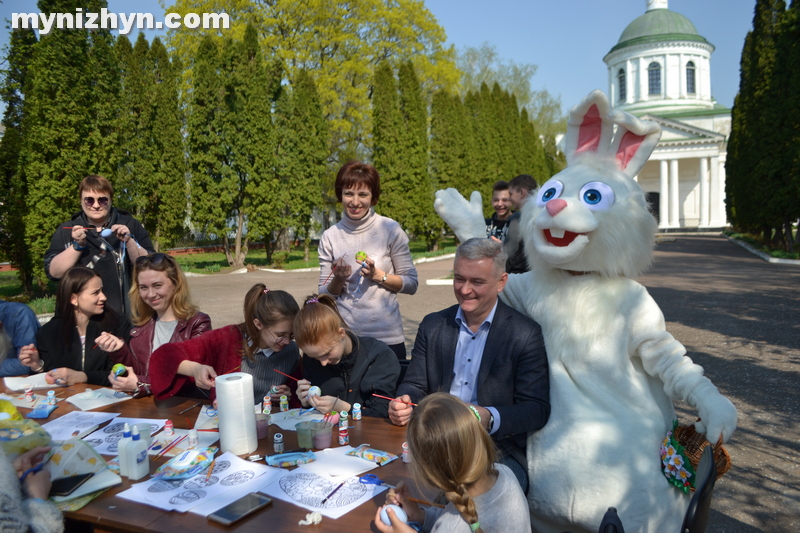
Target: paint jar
274	389
194	440
266	405
51	397
277	443
356	411
284	403
169	428
29	396
406	453
343	419
344	438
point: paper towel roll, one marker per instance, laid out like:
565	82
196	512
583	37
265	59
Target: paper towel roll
237	421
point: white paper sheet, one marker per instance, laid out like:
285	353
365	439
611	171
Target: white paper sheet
105	440
229	474
76	424
37	381
205	420
161	441
308	490
94	399
287	420
335	462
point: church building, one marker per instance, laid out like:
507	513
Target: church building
660	69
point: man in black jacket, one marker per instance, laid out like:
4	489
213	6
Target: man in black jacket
484	352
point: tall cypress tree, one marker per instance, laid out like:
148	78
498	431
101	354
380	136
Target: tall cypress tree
304	150
13	188
387	141
69	122
418	214
165	212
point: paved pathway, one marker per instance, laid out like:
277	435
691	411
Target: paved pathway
739	318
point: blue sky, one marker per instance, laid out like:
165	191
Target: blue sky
567	39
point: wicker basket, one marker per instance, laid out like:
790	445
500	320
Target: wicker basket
694	443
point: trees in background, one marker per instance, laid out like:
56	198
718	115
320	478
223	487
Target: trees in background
241	135
763	162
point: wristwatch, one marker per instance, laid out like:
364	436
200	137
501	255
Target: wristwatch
77	246
383	279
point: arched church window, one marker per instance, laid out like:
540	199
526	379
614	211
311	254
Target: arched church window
623	93
690	85
654	78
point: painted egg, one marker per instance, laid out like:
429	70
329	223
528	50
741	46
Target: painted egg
361	257
315	391
401	514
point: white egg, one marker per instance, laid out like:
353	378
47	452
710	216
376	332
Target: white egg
314	391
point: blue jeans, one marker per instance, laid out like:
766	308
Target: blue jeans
521	471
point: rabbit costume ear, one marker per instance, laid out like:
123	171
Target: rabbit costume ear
590	129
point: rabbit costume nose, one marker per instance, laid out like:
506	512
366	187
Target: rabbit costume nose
554	207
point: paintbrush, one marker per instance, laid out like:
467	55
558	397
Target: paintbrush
393	399
171	445
287	375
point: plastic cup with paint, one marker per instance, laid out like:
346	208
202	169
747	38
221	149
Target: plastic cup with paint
401	514
262	426
304	439
321	435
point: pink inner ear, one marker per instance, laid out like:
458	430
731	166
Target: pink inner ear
627	148
589	135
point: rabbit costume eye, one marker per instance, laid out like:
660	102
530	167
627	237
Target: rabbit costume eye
597	196
550	190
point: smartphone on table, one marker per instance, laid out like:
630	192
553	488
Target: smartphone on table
64	486
244	506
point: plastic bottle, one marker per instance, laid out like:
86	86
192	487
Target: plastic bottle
277	443
356	411
284	405
194	440
169	428
138	460
343	420
124	466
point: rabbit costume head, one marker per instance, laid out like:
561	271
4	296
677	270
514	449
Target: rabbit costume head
592	216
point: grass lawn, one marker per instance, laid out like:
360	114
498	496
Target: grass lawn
204	263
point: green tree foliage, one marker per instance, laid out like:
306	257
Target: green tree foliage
761	177
302	155
387	148
232	144
341	43
483	65
69	123
13	188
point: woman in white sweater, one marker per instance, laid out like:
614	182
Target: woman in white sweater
366	286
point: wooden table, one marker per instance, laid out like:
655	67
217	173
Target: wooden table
109	513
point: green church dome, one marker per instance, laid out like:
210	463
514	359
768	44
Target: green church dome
658	25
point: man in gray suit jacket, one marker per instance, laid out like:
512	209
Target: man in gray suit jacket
484	352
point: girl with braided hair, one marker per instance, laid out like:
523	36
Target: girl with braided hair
452	452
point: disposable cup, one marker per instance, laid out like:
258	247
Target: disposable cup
262	426
304	439
144	432
321	435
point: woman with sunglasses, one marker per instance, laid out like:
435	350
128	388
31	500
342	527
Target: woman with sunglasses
260	346
77	344
161	312
80	241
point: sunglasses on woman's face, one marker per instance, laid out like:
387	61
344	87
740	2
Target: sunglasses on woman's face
152	259
89	201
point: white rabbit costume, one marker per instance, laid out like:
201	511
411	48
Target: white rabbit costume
614	369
